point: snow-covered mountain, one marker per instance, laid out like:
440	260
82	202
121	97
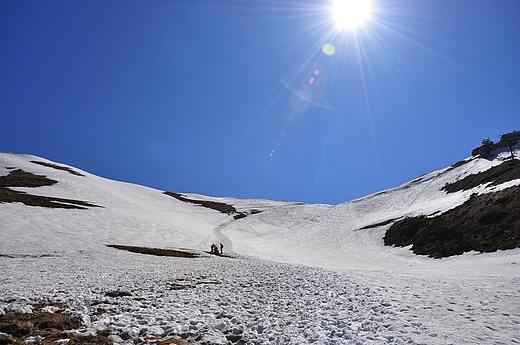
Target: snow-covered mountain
291	273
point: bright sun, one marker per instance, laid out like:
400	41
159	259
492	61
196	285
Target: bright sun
350	14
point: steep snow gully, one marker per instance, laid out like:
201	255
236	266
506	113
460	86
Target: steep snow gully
293	273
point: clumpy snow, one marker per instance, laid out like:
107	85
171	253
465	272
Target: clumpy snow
298	274
214	300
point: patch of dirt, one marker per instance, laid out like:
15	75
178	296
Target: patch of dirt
44	328
218	206
155	251
58	167
507	171
484	223
21	178
9	196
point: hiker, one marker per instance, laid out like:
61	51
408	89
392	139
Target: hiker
214	249
221	247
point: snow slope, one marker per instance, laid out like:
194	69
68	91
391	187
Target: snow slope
301	273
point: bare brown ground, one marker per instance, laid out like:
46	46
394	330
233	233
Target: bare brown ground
9	196
58	167
21	178
155	251
49	327
218	206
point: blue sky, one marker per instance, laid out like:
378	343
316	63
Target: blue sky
214	97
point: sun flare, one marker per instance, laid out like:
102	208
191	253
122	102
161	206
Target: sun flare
350	14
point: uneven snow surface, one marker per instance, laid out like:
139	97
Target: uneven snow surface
300	274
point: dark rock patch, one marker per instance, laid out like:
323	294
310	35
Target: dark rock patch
484	223
214	205
21	178
9	196
155	251
58	167
218	206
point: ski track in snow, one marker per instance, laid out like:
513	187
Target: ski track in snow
301	274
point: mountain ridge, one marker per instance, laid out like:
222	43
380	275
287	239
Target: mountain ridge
138	269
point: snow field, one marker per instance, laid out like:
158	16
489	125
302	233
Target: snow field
224	300
215	300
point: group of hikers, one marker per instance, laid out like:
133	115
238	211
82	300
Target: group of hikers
215	249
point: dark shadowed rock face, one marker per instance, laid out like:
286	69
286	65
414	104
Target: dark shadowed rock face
484	223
